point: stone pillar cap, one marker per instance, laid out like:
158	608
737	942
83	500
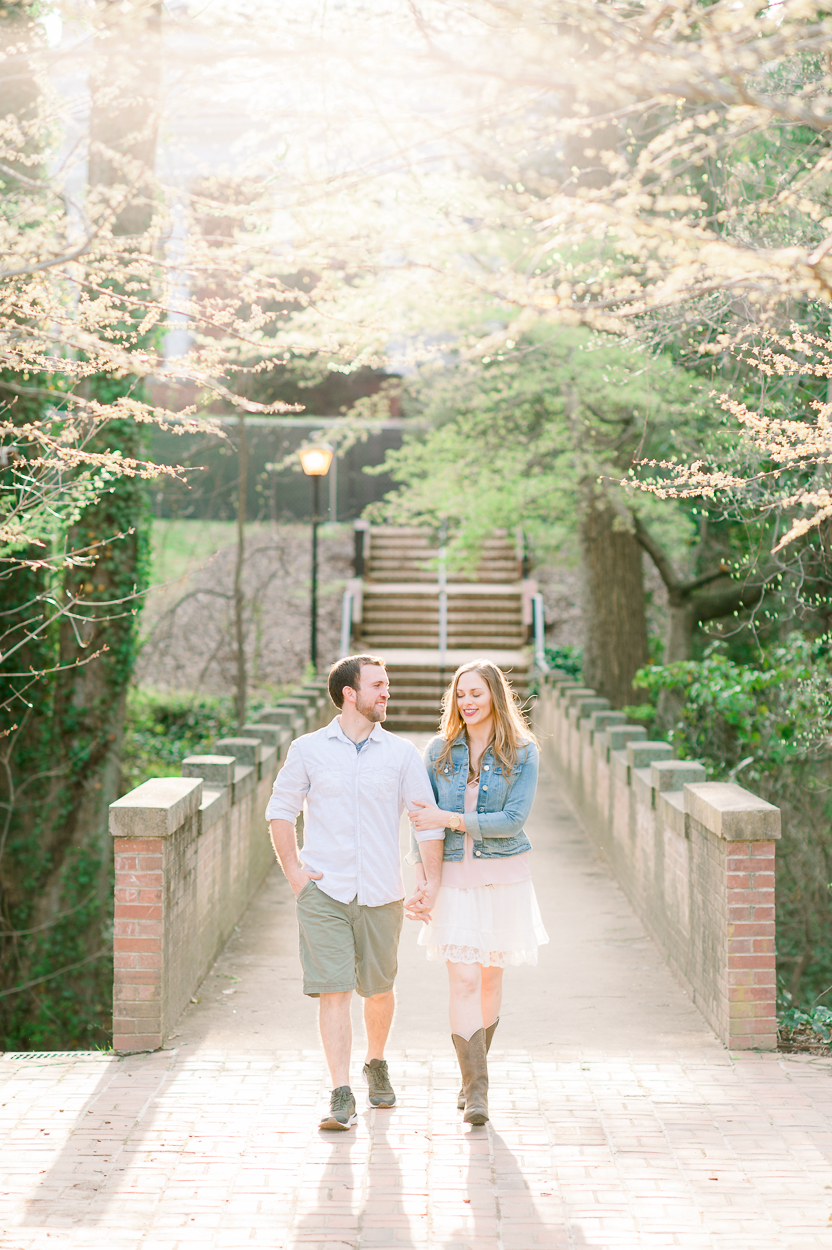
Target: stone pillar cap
640	754
731	812
215	770
574	695
673	774
157	808
244	750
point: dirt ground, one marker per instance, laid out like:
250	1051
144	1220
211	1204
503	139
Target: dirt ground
187	623
560	585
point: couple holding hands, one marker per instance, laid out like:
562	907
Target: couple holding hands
467	801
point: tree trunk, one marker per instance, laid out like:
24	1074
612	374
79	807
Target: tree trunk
681	623
615	626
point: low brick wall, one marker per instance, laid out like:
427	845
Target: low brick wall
190	852
695	858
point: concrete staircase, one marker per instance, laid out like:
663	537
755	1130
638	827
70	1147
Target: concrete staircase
409	554
400	617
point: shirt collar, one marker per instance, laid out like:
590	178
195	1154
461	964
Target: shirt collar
334	730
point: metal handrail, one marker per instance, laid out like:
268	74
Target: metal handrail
346	622
538	620
442	580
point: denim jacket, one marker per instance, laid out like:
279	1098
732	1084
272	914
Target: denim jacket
503	805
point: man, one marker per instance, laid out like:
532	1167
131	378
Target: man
357	779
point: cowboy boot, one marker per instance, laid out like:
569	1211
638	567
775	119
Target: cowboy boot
489	1033
474	1069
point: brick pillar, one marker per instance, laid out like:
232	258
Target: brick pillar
744	830
752	981
137	944
145	824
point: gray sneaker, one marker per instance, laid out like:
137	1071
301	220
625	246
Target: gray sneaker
380	1092
341	1110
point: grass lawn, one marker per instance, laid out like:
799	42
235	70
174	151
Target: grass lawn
180	546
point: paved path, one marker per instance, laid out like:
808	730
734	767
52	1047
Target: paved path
618	1120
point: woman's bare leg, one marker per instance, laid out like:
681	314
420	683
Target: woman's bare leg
465	1004
491	994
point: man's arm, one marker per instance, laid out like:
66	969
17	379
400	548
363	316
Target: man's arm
285	843
290	788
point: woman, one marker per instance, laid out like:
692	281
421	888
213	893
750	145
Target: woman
483	769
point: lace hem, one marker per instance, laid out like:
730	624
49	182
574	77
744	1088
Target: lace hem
488	959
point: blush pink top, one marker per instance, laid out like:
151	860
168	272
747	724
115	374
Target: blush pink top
472	871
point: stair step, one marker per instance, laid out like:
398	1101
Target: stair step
456	629
401	618
456	635
413	705
421	612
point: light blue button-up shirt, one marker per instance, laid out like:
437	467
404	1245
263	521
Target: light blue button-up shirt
354	801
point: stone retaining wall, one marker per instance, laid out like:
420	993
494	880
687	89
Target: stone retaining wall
190	852
695	858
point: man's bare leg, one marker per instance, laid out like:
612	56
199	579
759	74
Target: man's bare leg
378	1017
336	1035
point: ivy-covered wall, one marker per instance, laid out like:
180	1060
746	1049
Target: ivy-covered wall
59	771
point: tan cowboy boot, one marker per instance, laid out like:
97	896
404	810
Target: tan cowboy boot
489	1033
474	1069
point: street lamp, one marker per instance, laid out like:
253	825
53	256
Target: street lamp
315	459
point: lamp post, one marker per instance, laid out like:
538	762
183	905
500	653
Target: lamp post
315	459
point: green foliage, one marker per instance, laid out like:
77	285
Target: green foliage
162	728
567	659
754	719
768	726
642	712
60	767
511	437
818	1019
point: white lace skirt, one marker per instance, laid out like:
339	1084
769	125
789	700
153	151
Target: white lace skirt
493	925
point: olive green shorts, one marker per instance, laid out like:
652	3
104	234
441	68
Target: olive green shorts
347	946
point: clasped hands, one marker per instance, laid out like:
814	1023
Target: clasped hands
424	816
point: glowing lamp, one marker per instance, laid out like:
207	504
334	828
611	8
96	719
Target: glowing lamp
315	459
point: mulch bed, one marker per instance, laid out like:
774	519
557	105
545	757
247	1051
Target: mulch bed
802	1040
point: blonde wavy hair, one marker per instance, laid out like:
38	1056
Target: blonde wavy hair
511	731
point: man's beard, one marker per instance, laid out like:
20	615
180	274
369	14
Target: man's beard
368	709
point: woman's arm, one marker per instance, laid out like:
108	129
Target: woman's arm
427	816
516	809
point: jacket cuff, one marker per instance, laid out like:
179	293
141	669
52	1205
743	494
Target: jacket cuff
472	825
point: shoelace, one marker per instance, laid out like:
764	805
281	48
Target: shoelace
379	1079
341	1100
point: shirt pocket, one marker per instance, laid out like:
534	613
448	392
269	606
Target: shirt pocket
329	787
448	785
385	783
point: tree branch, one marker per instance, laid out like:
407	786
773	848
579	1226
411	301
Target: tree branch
658	555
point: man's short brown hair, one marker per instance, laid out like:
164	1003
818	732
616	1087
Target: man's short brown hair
347	672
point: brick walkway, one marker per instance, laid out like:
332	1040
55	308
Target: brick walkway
618	1120
172	1152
